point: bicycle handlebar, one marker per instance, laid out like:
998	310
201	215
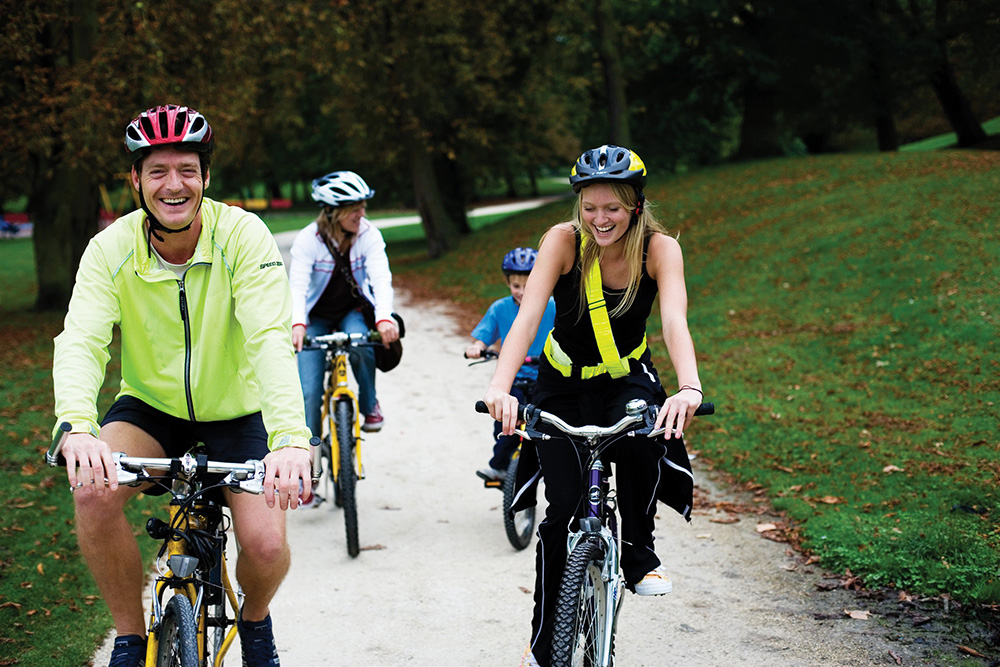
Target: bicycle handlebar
132	470
530	415
488	355
342	339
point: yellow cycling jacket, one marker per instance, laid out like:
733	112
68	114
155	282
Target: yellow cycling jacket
213	346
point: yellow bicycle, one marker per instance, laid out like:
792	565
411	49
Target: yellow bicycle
341	445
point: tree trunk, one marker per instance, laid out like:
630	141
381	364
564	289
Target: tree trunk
609	48
64	200
451	190
64	209
956	107
760	134
440	229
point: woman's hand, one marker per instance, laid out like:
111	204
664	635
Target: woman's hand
388	330
298	336
677	412
503	408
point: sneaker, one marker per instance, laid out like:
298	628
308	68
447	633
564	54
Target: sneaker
373	420
491	474
257	641
315	500
129	651
528	659
656	582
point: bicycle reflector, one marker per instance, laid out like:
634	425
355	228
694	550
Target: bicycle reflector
182	566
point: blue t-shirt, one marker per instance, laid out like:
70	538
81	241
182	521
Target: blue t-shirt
496	324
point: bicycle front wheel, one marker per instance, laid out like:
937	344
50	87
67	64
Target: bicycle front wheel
177	638
580	619
347	479
520	526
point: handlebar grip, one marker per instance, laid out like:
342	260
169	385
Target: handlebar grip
481	407
705	409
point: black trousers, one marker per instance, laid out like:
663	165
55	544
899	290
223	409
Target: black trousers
599	401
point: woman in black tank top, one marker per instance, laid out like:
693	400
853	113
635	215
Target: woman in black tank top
586	381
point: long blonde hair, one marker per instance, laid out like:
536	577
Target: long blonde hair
633	240
330	228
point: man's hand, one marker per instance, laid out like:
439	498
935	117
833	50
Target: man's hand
288	471
96	467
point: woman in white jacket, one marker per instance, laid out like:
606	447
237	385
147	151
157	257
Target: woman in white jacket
323	298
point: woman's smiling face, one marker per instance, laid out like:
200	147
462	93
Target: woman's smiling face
602	213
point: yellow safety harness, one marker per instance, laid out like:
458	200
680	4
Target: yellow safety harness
611	363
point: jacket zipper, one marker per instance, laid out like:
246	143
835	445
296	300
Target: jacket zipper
187	348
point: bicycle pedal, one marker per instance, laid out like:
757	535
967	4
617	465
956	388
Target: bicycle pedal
490	482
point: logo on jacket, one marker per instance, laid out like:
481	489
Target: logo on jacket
267	264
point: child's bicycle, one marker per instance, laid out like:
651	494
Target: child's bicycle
340	414
520	526
197	624
592	586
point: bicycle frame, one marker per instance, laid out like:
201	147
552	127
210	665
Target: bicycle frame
337	389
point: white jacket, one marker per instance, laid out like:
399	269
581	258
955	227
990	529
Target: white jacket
313	265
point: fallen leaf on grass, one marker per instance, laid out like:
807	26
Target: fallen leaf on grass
831	500
857	614
11	605
896	658
971	651
891	469
41	569
764	527
372	547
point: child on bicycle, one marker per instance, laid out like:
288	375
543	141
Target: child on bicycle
493	328
604	269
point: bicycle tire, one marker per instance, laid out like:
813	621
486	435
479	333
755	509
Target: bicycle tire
177	637
348	478
521	525
580	611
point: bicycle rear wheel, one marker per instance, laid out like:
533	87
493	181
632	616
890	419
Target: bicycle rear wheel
177	638
580	618
521	526
348	477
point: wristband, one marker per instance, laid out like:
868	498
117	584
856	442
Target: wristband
687	386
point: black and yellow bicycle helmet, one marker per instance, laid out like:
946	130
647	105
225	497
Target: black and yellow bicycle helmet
608	164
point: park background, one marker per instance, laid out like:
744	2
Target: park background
831	169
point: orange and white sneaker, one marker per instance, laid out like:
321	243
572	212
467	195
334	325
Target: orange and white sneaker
656	582
528	659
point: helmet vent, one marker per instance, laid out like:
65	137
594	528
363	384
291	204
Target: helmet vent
179	125
147	126
164	128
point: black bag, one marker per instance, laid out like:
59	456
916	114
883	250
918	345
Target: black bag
386	358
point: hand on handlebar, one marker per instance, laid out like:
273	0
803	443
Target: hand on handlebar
298	336
96	466
288	472
389	331
503	408
677	412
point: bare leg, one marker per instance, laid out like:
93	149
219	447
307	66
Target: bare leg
105	536
264	554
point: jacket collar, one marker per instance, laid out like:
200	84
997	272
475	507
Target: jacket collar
146	265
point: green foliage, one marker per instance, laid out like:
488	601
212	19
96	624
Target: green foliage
844	313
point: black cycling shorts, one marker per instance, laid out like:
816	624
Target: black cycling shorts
232	440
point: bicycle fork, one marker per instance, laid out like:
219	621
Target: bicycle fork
609	600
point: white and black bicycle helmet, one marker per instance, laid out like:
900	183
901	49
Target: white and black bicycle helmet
608	164
340	188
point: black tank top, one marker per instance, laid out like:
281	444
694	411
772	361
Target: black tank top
575	334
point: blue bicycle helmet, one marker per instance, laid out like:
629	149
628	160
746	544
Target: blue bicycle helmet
518	260
608	164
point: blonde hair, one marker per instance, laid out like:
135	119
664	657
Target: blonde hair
633	240
330	228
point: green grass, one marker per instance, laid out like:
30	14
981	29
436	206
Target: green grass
948	140
845	315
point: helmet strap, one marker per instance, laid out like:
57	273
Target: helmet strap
153	226
638	210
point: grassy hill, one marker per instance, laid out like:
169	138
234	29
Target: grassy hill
845	313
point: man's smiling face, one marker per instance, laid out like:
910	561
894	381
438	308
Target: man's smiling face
171	182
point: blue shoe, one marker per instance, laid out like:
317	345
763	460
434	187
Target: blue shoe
129	651
257	641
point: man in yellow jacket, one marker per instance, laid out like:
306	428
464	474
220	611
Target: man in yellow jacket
201	298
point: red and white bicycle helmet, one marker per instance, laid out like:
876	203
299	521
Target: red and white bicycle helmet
168	124
340	188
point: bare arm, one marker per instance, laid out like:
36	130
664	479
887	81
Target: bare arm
555	258
666	265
